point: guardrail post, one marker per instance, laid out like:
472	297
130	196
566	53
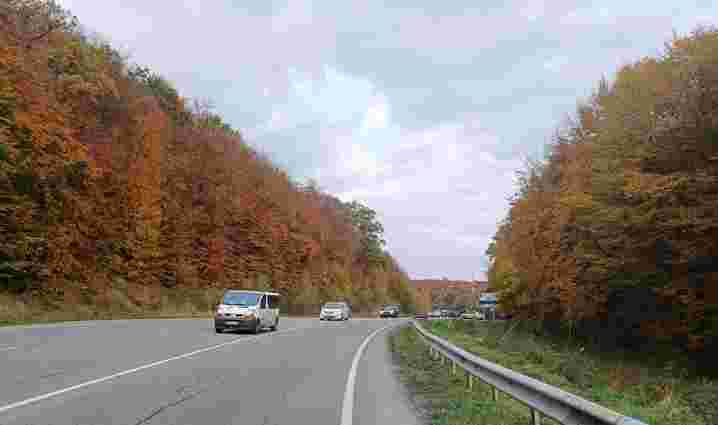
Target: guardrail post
561	403
535	417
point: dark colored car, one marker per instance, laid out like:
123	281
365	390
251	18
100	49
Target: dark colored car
450	313
421	316
389	311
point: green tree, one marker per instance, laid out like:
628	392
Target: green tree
161	89
371	233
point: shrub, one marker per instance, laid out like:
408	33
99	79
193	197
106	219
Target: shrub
703	398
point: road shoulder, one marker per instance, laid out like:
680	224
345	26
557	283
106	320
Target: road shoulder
380	395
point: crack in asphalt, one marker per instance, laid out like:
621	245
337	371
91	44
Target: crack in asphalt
161	409
51	374
189	395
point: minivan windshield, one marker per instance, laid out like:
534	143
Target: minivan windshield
333	305
241	298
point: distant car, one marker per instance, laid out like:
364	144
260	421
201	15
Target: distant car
335	311
391	310
450	314
421	316
436	314
474	315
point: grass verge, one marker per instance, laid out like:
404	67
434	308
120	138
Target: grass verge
658	394
444	399
173	304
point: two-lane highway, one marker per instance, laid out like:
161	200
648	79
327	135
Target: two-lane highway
181	372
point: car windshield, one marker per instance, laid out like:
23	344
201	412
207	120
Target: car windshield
333	305
241	298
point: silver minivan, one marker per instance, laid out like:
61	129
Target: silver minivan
247	310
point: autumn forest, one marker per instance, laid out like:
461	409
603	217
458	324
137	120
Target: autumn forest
118	195
614	235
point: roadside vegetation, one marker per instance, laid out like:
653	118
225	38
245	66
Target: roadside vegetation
613	236
443	399
119	196
657	390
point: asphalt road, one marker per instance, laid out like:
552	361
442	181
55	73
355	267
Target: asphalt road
135	372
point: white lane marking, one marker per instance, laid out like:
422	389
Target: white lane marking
41	397
348	404
8	348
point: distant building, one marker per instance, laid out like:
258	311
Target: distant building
427	289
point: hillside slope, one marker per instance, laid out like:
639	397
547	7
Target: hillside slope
614	236
117	194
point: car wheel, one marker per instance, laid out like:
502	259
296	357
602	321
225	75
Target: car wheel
276	324
218	330
257	327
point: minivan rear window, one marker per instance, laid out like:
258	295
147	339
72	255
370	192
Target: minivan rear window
333	305
241	298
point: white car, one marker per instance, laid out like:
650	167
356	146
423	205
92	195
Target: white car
436	314
475	315
335	311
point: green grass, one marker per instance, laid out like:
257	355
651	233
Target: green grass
175	303
444	399
658	394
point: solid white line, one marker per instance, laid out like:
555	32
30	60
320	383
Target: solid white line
8	348
35	399
348	404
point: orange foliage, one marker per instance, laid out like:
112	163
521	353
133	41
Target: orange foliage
122	180
584	242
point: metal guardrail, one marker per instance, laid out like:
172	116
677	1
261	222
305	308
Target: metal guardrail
541	398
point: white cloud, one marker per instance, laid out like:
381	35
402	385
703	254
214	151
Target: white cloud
451	151
376	116
193	6
388	189
440	191
556	63
533	9
361	162
276	122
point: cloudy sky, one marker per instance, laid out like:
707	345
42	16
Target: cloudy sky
422	110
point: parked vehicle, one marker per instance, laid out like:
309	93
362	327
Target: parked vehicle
473	315
339	310
391	310
450	313
436	314
421	316
247	310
